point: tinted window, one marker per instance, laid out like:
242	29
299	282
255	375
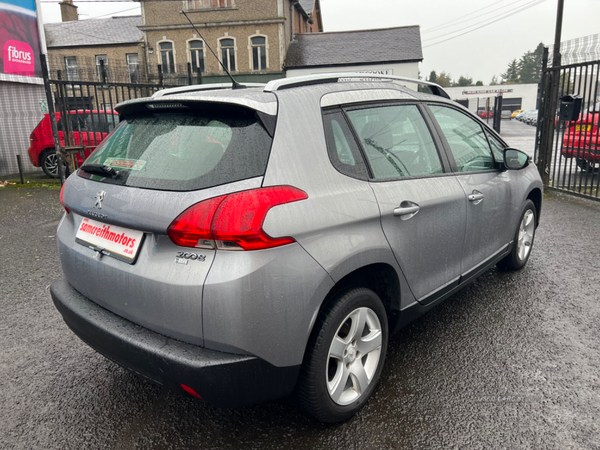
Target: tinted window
396	141
466	139
184	151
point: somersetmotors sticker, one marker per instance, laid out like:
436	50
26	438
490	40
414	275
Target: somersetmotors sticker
110	240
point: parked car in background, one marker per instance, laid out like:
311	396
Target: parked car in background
506	114
516	113
250	243
484	114
87	128
582	139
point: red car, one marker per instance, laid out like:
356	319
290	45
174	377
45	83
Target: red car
87	129
485	114
581	141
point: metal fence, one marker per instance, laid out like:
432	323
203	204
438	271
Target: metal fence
85	115
568	154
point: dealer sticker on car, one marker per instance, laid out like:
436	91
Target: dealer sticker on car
118	242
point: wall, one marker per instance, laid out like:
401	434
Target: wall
211	35
19	115
399	69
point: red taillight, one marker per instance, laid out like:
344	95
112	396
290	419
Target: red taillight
62	190
234	221
33	137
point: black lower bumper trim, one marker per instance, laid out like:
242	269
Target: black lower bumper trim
221	379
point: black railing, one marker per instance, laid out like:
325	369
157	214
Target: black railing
569	129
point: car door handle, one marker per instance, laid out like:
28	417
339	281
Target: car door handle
406	210
476	197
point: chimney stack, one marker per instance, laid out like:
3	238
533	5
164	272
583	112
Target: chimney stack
68	11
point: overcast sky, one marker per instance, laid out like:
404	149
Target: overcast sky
507	28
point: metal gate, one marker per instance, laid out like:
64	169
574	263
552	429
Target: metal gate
84	113
567	142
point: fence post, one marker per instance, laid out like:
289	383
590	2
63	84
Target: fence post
189	70
160	75
199	75
51	112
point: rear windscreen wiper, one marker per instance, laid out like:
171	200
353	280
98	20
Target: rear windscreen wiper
99	169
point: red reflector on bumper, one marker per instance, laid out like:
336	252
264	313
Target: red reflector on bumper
190	391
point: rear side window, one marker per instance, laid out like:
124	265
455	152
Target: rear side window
342	148
183	151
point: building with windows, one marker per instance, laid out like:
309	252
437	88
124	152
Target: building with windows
104	50
249	37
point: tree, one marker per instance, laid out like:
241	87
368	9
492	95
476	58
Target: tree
511	76
444	79
531	65
464	81
433	77
494	81
479	83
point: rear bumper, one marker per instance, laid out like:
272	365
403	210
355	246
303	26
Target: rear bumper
222	379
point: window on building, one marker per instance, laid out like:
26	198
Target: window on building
259	53
166	57
228	53
133	67
206	4
102	64
197	56
71	68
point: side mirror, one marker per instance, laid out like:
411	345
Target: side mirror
515	159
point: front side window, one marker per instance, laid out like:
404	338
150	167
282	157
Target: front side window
396	141
71	68
167	58
466	139
102	68
228	53
497	146
197	56
259	53
133	67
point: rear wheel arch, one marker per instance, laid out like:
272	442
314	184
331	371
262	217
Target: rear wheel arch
381	278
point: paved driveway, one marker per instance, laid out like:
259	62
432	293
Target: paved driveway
512	361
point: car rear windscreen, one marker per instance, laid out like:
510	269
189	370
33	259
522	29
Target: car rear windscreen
183	150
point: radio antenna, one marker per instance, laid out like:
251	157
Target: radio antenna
234	84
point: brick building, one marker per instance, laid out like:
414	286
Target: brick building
77	50
250	37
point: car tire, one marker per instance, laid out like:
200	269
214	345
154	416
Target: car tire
523	240
49	162
585	165
344	356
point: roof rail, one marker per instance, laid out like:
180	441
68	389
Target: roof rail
307	80
199	88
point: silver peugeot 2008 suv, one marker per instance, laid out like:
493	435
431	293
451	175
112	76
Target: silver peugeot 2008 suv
241	245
